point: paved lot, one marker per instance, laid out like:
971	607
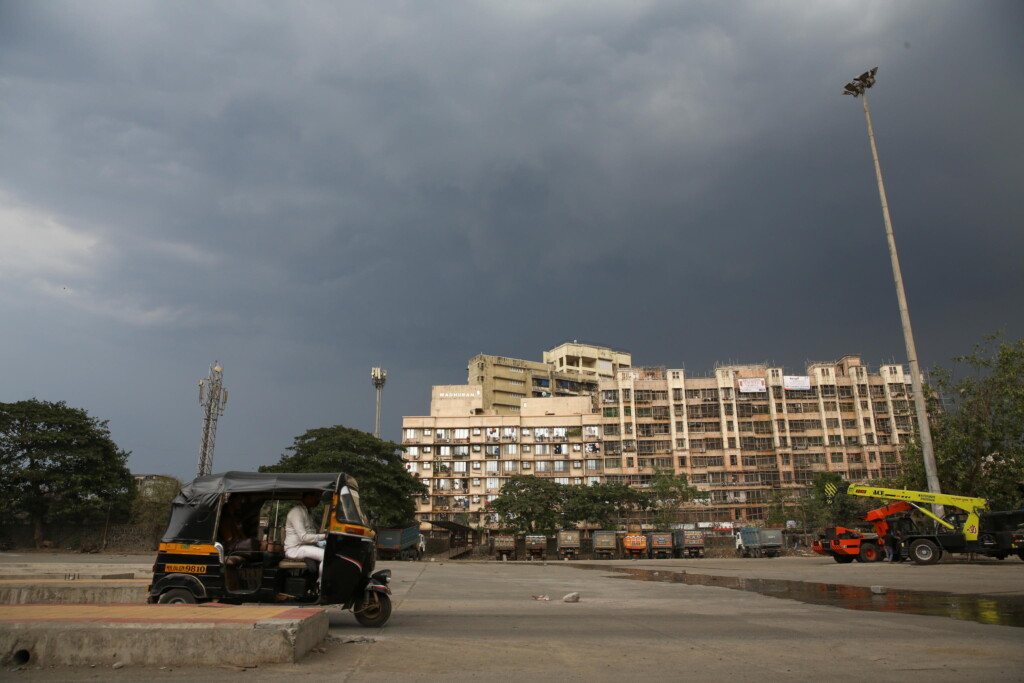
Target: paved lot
457	621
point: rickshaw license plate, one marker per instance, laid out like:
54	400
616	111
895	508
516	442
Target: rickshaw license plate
186	568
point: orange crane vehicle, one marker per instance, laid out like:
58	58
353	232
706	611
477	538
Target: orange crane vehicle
971	529
845	545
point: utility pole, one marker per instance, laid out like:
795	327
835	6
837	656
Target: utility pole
212	397
379	376
858	87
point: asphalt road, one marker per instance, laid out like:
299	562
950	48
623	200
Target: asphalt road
472	621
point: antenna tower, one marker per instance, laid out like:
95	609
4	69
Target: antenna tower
212	397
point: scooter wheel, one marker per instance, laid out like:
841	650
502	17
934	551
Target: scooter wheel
376	611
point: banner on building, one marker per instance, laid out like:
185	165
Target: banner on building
753	385
796	382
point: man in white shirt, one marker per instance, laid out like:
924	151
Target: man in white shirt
301	540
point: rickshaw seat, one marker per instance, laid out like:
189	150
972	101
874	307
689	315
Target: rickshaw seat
307	564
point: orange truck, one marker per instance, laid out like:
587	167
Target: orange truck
634	545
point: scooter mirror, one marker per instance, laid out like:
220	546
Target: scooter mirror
326	496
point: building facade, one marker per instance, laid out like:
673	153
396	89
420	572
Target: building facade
741	436
570	369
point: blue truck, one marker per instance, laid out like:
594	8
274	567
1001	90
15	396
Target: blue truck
758	542
399	544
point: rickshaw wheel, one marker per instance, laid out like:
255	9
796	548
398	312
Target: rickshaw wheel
376	612
177	596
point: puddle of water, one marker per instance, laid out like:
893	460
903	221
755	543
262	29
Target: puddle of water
1003	610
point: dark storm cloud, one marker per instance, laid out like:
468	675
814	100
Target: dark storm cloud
302	191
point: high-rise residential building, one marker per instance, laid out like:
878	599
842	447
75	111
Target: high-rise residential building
741	435
569	369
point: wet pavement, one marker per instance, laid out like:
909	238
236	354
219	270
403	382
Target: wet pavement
1002	610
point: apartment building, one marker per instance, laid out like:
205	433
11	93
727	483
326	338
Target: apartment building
569	369
741	435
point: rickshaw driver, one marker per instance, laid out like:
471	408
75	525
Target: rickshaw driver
301	541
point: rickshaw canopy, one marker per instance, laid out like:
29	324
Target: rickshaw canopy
194	509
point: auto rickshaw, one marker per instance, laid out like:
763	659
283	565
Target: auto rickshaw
195	563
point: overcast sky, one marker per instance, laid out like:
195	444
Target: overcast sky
304	190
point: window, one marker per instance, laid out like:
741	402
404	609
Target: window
462	433
562	480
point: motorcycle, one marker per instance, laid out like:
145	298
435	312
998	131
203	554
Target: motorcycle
202	559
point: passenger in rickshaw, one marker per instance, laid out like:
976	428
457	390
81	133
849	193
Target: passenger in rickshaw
301	540
232	534
240	547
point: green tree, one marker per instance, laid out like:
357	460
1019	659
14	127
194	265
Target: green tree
977	423
530	504
667	492
601	505
385	486
152	504
57	464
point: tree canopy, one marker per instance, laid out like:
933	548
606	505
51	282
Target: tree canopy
59	463
666	492
977	423
385	486
529	503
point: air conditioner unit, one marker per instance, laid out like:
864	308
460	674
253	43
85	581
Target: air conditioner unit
476	449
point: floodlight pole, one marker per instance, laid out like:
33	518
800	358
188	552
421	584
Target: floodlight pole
859	88
379	376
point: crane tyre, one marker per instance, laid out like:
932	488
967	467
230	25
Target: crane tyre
869	553
923	551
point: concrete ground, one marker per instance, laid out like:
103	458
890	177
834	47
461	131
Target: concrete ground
462	621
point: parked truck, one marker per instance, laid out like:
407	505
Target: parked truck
971	528
399	544
758	542
568	544
659	544
688	543
606	545
536	546
634	545
504	547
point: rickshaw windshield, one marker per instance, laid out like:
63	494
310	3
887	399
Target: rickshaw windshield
348	507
